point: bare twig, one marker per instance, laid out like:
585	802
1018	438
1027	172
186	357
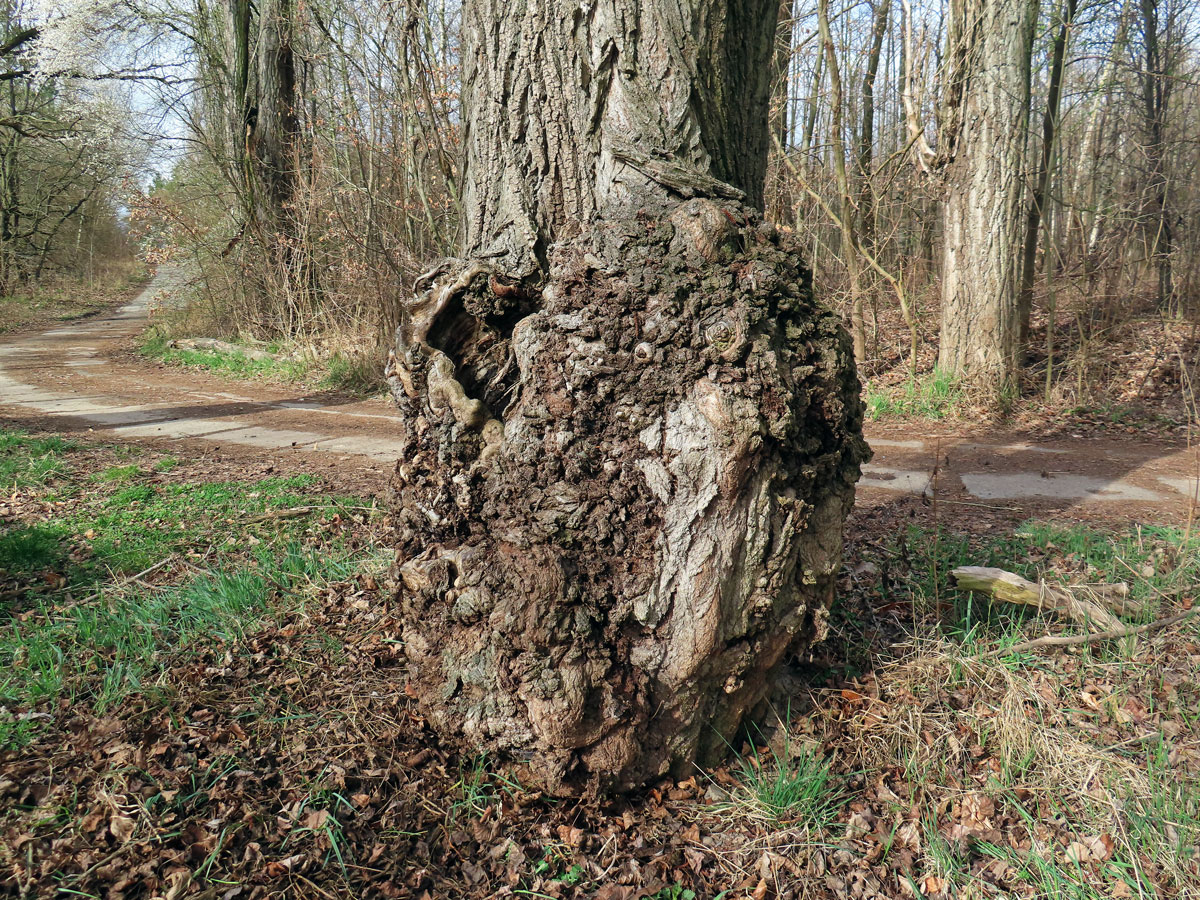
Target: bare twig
1058	640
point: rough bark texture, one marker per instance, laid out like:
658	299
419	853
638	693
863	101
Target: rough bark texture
982	221
632	435
275	134
616	517
577	111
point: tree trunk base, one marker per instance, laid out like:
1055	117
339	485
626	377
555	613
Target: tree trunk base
620	497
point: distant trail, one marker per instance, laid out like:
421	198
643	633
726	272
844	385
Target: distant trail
82	376
1108	477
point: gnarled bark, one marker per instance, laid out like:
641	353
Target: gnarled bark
632	435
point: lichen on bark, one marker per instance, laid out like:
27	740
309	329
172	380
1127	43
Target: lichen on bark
620	495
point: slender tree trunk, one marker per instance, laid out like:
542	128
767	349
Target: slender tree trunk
814	106
781	124
1156	90
1041	182
986	113
866	141
631	436
1093	141
846	215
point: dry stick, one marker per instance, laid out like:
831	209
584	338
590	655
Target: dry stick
1009	587
1052	640
296	512
982	505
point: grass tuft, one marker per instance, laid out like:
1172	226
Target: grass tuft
477	788
789	786
932	397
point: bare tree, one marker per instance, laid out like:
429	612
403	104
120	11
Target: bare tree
1157	83
1041	184
848	214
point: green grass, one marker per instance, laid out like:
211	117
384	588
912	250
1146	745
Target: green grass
1154	561
675	891
789	786
26	461
353	374
931	397
1168	818
321	807
75	629
118	473
1049	874
477	788
115	641
154	346
357	375
117	644
128	526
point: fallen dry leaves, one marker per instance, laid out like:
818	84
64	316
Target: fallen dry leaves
292	764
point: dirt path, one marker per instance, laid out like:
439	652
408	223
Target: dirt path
1128	479
82	376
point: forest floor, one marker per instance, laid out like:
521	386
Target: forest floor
202	685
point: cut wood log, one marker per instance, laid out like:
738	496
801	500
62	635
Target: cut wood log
1092	606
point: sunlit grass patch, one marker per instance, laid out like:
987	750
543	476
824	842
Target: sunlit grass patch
784	783
81	624
1156	562
795	787
1087	819
341	371
26	460
155	345
930	397
117	642
118	473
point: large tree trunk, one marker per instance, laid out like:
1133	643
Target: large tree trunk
632	437
275	140
984	137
